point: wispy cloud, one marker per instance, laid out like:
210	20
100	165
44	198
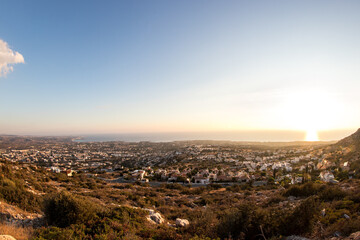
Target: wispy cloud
8	58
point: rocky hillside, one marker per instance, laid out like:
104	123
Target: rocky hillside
352	141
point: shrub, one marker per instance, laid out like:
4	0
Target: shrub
275	199
14	192
305	190
329	193
239	187
325	192
345	226
174	186
63	209
204	224
302	219
54	233
236	222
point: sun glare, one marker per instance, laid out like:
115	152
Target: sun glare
311	135
310	110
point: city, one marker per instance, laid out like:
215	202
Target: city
188	162
182	186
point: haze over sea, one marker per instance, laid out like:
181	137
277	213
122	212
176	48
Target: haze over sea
258	136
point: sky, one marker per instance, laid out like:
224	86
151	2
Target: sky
76	67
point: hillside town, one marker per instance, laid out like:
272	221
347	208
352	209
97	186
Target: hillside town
198	162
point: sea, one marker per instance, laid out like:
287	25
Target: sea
249	136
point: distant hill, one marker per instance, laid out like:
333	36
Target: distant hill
23	142
352	141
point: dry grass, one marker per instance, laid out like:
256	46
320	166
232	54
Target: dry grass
19	233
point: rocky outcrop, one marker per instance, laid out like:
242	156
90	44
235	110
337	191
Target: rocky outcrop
354	236
13	215
182	222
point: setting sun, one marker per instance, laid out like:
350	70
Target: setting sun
311	135
310	110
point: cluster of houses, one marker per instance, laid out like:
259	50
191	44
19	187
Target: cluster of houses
181	161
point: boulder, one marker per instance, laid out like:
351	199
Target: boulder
291	198
293	237
337	234
6	237
182	222
155	217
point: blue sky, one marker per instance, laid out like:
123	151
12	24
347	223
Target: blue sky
169	66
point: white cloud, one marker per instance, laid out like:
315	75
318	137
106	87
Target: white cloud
8	58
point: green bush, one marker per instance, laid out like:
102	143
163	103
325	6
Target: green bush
204	223
329	193
63	209
236	222
304	190
345	226
14	192
119	223
302	219
55	233
325	192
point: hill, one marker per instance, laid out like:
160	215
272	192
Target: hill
352	141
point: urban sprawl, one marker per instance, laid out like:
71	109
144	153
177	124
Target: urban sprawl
192	162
